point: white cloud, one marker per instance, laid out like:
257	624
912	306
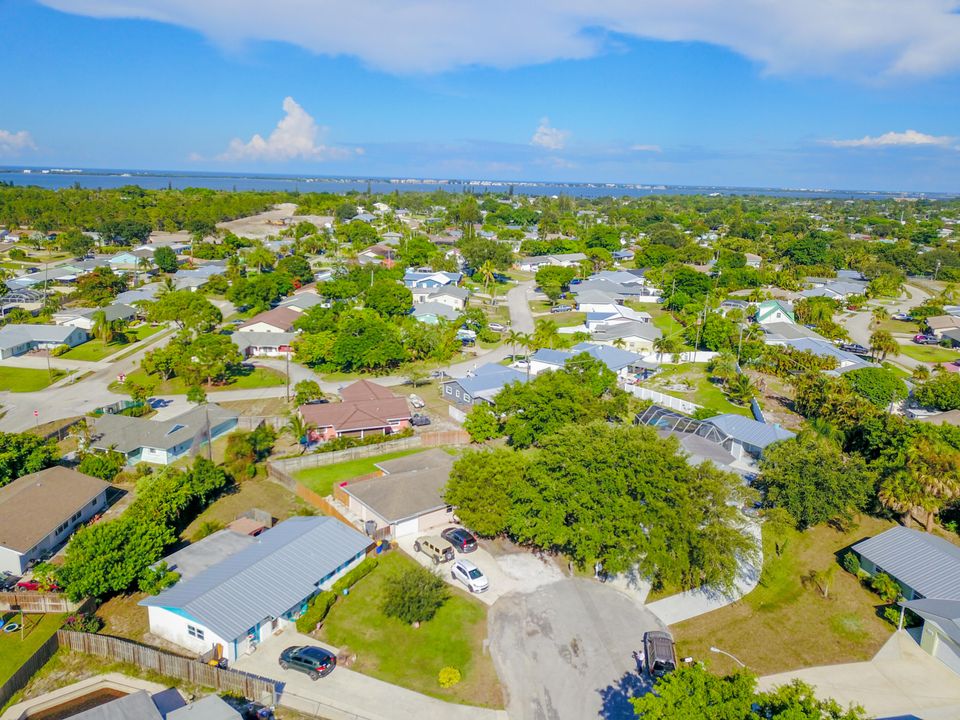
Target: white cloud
646	148
865	38
14	143
908	138
294	138
549	137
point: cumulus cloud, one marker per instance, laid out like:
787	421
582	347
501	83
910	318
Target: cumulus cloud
548	137
294	138
15	143
840	37
908	138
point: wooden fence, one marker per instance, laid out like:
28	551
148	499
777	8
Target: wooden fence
38	602
16	682
170	665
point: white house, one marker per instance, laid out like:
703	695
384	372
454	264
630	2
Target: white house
259	590
278	320
449	295
85	318
264	344
19	339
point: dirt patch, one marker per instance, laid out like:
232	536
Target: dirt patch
776	398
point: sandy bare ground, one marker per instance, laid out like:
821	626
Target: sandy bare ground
270	222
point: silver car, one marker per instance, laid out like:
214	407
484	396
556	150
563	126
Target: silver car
470	575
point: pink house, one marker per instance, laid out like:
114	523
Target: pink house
367	409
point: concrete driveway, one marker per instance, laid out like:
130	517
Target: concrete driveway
517	572
900	681
564	652
345	694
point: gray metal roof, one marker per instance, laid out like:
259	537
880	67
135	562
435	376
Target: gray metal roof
945	613
136	706
748	431
282	568
927	563
197	557
211	707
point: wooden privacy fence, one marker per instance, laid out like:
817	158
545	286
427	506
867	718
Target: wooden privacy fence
16	682
38	602
170	665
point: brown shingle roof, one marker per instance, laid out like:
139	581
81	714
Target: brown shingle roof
365	390
352	416
281	317
33	506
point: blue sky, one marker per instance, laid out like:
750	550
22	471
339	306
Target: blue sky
817	93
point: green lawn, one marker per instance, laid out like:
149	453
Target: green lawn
17	379
94	350
322	479
928	353
14	651
704	392
897	326
413	657
253	378
661	318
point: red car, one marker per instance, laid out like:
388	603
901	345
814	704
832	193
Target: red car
34	586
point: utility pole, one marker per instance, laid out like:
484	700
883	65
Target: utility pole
287	353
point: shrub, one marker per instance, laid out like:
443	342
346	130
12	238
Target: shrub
415	595
207	527
355	575
60	350
83	622
158	578
343	443
886	587
851	563
105	466
319	607
892	615
449	676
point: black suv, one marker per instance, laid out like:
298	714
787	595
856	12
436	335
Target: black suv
461	539
314	661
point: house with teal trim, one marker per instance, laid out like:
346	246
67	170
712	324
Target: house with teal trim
258	588
774	311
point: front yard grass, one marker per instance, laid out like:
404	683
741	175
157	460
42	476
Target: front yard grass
257	377
928	353
786	623
395	652
14	651
322	479
94	350
17	379
703	392
663	319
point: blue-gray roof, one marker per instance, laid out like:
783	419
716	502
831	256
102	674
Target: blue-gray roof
280	570
614	358
927	563
490	377
551	357
748	431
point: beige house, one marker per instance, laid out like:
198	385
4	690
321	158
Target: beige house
939	323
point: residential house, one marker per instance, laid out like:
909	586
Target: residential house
821	347
838	290
429	279
277	320
193	279
621	362
938	323
748	436
367	409
264	344
379	254
753	261
635	337
144	293
481	385
624	255
407	498
927	568
257	591
774	311
39	512
734	304
85	318
532	264
161	441
454	297
432	312
19	339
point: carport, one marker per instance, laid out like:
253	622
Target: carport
941	629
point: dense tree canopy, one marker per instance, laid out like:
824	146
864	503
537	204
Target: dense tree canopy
24	453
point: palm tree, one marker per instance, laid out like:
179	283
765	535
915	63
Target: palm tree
261	257
487	272
167	286
514	338
921	373
723	367
298	429
740	389
667	345
883	344
879	314
620	343
103	329
143	264
547	334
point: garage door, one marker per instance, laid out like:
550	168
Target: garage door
408	527
948	652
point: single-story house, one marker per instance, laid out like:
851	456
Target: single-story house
161	441
379	254
408	498
367	409
619	361
451	295
193	279
302	302
39	512
264	344
598	301
774	311
753	260
623	255
938	323
532	264
636	337
144	293
432	312
258	590
190	561
19	339
846	361
748	435
85	318
481	385
278	320
430	279
927	568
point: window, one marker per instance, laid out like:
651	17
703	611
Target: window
63	527
195	632
76	516
449	389
93	503
466	397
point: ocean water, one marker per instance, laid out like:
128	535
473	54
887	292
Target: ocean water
56	178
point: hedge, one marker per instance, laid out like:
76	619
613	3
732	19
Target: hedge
319	607
355	575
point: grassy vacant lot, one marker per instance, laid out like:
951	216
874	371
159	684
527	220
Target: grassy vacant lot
661	318
322	479
703	393
17	379
400	654
94	350
786	623
928	353
258	377
897	327
14	651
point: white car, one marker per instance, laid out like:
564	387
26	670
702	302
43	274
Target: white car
470	575
416	401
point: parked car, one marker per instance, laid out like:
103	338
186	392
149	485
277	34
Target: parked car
497	327
435	548
926	339
416	400
314	661
561	308
34	586
419	420
463	540
7	580
470	575
659	652
855	348
902	317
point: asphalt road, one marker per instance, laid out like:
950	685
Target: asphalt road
859	326
564	652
